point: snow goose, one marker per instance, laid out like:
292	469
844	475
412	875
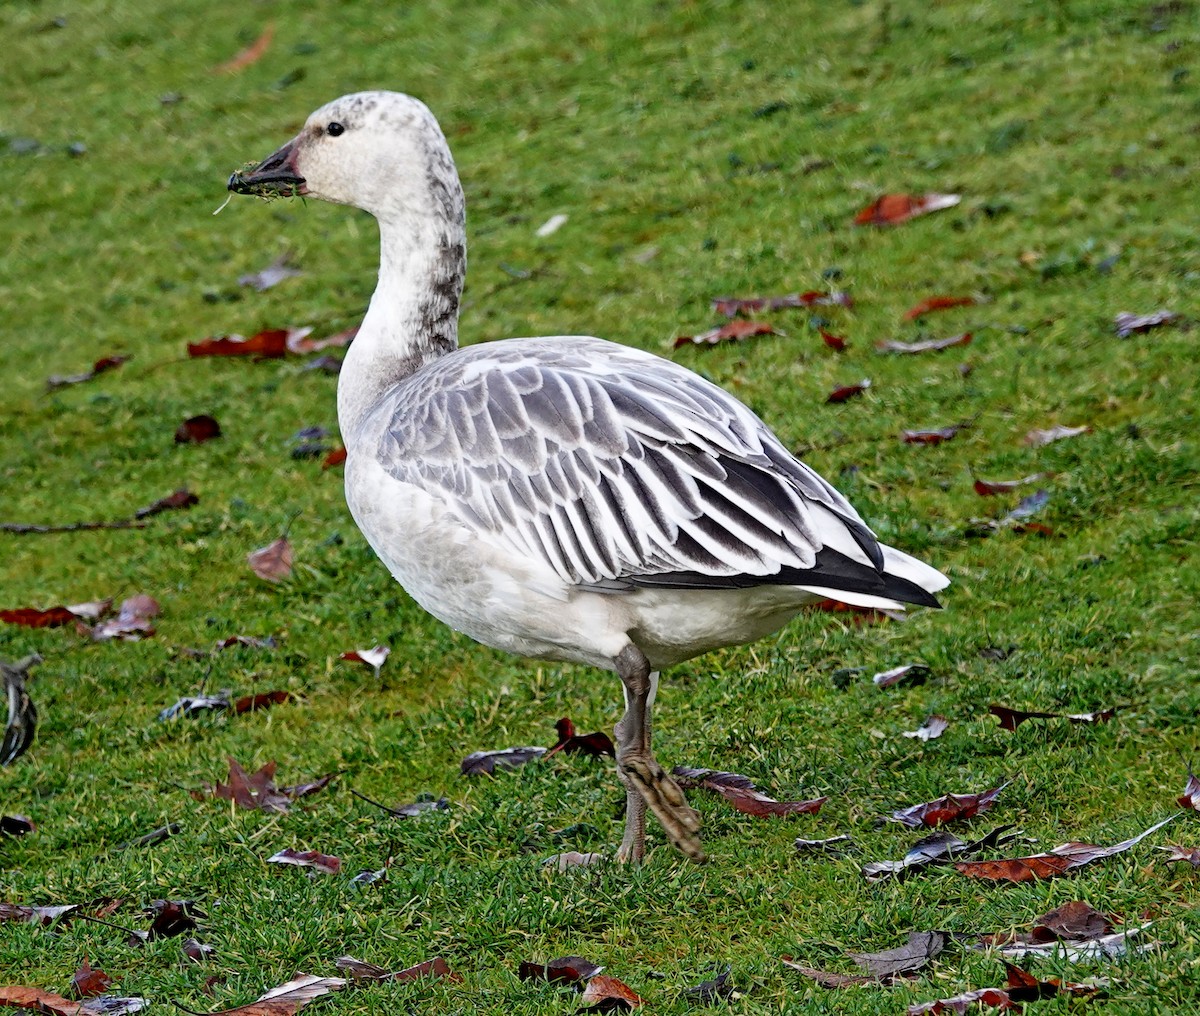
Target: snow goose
564	498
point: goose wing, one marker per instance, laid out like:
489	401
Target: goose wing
616	468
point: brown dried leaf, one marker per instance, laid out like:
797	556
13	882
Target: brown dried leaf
827	978
1191	855
892	209
182	498
949	808
848	391
16	825
288	999
987	488
132	621
271	343
1075	921
933	303
832	341
31	617
325	863
262	700
595	744
1021	987
928	346
99	367
33	915
730	305
373	658
87	983
739	791
732	331
563	970
1190	798
1039	438
23	997
171	918
936	848
1010	719
930	437
487	762
607	994
301	343
335	458
362	971
197	430
250	54
922	947
272	563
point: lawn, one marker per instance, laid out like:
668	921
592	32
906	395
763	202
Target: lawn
698	150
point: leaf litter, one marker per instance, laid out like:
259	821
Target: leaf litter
731	305
740	792
892	209
258	791
733	331
101	366
1010	718
950	808
927	346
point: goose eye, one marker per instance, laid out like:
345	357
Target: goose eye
334	129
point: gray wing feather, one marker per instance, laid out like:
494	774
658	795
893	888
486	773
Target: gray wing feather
607	464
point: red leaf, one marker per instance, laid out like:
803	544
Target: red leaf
23	997
1010	719
930	437
891	209
937	303
250	54
197	430
928	346
325	863
87	982
947	809
848	391
1075	921
832	341
99	367
272	563
595	744
132	621
563	970
249	703
31	617
730	305
258	791
607	994
360	970
731	331
182	498
268	344
987	488
1190	798
739	791
335	458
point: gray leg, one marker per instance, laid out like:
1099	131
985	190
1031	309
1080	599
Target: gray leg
646	783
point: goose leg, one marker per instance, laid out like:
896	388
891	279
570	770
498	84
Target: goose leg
646	783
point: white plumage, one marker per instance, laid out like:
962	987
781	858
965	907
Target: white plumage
566	497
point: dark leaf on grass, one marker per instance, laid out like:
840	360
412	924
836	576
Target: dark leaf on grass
595	744
87	983
928	346
288	999
197	430
31	617
950	808
1075	921
832	341
487	762
172	918
914	672
715	989
99	367
607	994
1021	987
21	723
152	838
933	727
250	54
197	951
832	846
335	458
828	978
1010	719
933	303
921	948
194	705
182	498
892	209
272	275
1039	438
733	331
33	915
1190	798
573	970
23	997
272	563
730	305
250	641
298	790
270	344
132	621
930	437
258	791
1189	855
262	700
324	863
1060	860
360	970
848	391
1127	324
739	791
987	488
936	848
16	825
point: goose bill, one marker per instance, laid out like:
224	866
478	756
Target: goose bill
276	174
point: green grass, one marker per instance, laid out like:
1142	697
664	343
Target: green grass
1069	127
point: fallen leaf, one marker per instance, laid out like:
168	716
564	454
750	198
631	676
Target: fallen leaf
23	997
732	331
335	458
933	727
715	989
1010	719
261	700
271	343
988	488
848	391
1127	324
607	994
933	303
299	342
1020	987
325	863
916	672
194	705
937	848
1039	438
197	430
1189	855
360	970
572	859
86	982
487	762
930	437
21	724
132	621
739	791
1075	921
169	919
595	744
250	54
832	846
258	791
182	498
288	999
1190	798
272	563
827	978
949	808
16	825
1063	858
831	340
920	949
928	346
272	275
373	658
33	915
731	305
31	617
892	209
574	970
99	367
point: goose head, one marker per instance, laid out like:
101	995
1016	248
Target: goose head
382	152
